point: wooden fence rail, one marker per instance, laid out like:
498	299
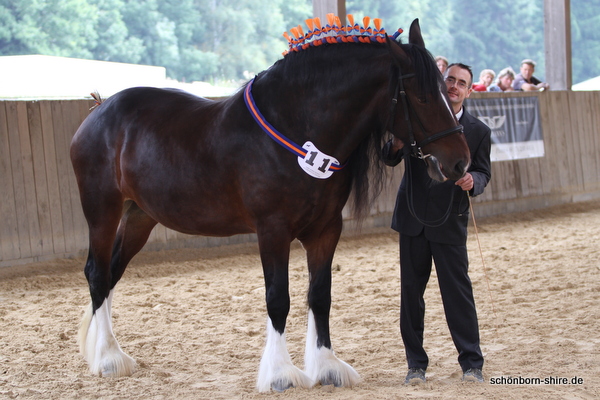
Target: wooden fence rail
41	217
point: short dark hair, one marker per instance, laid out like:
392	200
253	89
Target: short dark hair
463	66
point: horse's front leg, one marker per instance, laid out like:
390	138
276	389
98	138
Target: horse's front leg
276	370
321	364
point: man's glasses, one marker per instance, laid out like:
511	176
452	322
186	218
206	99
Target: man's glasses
452	81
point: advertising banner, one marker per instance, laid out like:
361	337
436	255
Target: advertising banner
515	123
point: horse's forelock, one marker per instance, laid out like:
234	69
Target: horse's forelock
428	76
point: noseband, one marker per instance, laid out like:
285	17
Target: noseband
416	149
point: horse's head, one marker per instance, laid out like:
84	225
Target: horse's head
422	117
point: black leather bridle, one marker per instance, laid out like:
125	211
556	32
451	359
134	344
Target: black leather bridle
416	149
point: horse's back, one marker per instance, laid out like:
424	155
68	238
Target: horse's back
145	105
168	151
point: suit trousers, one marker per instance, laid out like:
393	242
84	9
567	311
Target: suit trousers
451	263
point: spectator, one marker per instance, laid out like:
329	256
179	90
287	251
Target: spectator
442	64
486	77
525	81
504	81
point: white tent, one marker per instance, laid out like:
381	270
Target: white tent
590	84
49	77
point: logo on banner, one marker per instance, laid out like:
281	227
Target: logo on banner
493	122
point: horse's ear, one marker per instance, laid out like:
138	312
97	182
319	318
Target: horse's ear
414	34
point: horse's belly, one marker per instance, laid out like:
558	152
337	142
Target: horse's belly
196	212
209	227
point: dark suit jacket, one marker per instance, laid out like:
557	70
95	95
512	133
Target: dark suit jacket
431	199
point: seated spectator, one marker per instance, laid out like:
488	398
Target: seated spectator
504	81
486	77
442	63
526	81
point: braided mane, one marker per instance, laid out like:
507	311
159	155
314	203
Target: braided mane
335	32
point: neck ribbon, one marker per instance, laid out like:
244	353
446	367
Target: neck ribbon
311	160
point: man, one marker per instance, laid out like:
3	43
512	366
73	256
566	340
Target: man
445	243
525	81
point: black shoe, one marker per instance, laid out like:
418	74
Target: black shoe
415	376
473	375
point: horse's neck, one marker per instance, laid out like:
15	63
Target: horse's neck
336	115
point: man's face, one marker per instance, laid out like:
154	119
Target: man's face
458	83
527	71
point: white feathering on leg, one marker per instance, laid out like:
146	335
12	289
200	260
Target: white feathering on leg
321	364
98	345
276	364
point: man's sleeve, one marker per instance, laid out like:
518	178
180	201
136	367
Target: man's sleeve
481	165
518	82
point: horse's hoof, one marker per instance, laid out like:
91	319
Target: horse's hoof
109	370
118	368
282	385
331	379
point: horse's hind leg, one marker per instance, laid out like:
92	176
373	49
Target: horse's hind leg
320	362
133	233
97	340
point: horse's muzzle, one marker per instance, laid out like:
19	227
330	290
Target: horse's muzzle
434	168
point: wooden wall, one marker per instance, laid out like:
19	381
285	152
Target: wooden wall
569	170
41	217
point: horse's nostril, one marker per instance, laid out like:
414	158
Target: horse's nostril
459	168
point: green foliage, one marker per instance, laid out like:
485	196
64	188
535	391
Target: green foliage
215	40
53	27
585	38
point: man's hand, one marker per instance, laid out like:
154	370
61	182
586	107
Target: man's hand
466	182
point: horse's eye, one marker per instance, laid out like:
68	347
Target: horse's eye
422	100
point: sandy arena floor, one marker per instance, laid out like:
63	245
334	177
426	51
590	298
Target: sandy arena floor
194	319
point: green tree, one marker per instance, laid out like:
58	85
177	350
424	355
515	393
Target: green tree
114	41
494	34
585	40
295	12
434	18
144	21
48	27
229	39
245	34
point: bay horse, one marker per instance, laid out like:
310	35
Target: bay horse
219	168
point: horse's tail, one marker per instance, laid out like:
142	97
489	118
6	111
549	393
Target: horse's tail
97	99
